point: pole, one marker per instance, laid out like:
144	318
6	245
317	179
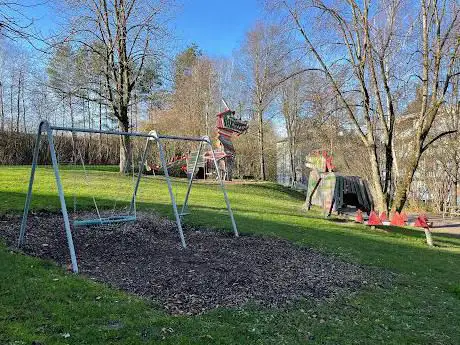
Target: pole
22	232
222	186
65	215
190	181
45	125
136	187
168	181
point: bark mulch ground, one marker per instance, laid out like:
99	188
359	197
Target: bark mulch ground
215	270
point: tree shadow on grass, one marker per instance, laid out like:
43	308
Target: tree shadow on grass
347	240
268	186
445	238
13	203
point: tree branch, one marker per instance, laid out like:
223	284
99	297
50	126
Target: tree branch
439	136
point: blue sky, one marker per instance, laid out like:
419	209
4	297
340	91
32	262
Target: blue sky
216	26
219	26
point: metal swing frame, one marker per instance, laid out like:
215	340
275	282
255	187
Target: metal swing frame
45	126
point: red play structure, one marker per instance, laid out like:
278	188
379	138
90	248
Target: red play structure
228	126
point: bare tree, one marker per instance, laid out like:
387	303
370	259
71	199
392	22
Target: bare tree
13	23
260	66
370	73
453	109
446	153
2	111
122	33
366	60
292	102
17	25
439	45
62	75
190	107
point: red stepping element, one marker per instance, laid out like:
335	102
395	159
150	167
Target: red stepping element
359	216
397	219
422	222
404	216
383	217
374	219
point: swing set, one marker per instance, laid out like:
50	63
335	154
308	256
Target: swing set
151	137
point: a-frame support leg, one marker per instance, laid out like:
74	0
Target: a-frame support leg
190	181
222	186
22	232
132	207
44	125
171	194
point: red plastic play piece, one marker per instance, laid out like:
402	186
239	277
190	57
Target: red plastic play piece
374	219
329	166
422	222
383	216
359	216
397	219
404	216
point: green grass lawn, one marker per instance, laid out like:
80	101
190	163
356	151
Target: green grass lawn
40	302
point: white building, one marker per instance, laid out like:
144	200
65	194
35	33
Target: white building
284	175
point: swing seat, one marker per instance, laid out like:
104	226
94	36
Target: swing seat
104	221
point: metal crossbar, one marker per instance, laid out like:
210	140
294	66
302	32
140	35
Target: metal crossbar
44	126
154	136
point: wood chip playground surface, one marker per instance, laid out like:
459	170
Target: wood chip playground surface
215	270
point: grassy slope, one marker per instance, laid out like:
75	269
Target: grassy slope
39	302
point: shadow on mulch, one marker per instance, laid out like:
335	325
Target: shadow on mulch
215	270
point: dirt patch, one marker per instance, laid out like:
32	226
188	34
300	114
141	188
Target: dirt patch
215	270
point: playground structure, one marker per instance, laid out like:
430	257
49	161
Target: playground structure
172	162
150	137
333	191
227	126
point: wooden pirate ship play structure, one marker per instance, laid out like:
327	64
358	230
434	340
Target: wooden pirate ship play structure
200	163
227	126
333	191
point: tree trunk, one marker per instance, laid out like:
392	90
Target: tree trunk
90	125
24	110
2	125
456	189
100	134
404	183
260	138
11	107
387	189
18	104
125	141
378	194
455	192
83	112
72	120
136	113
107	124
292	159
72	124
